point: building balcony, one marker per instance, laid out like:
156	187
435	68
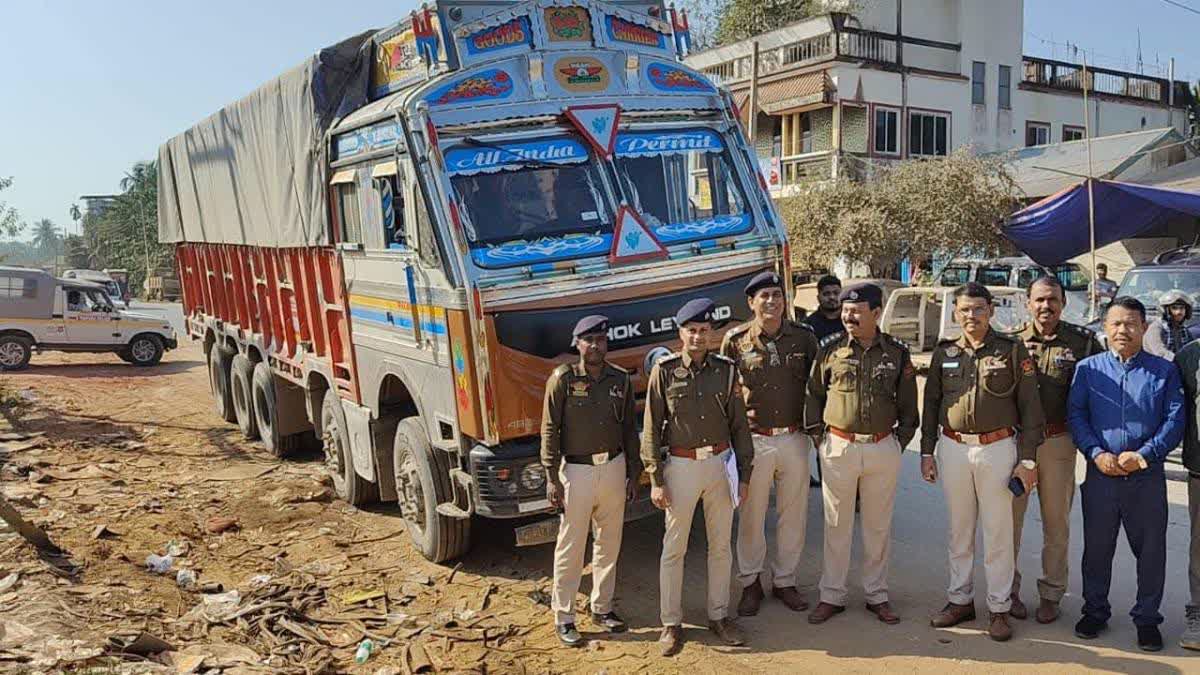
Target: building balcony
1050	75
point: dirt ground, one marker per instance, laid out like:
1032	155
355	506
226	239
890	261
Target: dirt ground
118	463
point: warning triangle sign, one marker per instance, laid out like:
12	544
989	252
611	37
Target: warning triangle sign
632	240
598	124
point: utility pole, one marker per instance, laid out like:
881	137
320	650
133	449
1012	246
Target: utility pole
753	103
1087	132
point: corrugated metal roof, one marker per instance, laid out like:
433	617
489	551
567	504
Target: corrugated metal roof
1182	176
1111	155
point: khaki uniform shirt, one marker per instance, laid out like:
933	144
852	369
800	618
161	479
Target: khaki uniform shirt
692	405
1055	357
583	416
863	390
974	391
773	371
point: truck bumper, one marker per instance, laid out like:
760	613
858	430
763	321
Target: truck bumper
171	343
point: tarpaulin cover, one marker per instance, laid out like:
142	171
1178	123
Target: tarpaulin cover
254	172
1056	228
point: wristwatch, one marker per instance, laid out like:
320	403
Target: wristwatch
1029	464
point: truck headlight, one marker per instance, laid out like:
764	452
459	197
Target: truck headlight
533	477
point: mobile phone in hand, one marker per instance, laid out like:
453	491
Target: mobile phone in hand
1016	486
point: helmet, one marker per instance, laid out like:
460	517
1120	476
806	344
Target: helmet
1173	296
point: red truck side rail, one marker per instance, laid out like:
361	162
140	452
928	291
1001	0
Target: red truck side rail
294	298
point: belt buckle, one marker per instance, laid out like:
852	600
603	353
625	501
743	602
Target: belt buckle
599	458
779	431
705	452
971	439
864	438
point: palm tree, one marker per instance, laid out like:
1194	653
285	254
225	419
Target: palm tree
76	215
46	238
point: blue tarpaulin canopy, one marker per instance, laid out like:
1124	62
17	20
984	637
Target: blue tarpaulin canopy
1056	228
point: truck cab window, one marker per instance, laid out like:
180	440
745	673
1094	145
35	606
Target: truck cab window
349	213
391	204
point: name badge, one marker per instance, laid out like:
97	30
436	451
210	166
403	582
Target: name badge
579	389
950	364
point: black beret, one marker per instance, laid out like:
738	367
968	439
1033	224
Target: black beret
595	323
868	293
700	309
763	280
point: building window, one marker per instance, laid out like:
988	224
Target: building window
349	213
18	287
887	131
1004	92
978	77
928	134
1071	133
1036	133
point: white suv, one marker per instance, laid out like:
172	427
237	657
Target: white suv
39	312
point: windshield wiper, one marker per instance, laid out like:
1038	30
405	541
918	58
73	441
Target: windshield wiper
521	160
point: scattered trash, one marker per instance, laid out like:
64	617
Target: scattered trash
178	549
102	532
540	597
217	605
219	524
186	579
159	564
241	472
365	648
418	660
141	644
211	587
259	580
355	597
401	619
9	582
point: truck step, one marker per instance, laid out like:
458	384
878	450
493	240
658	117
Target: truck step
451	510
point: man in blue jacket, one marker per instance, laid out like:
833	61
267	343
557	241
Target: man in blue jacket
1125	413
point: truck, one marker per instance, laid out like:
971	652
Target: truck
386	247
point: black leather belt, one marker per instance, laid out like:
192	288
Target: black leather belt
594	459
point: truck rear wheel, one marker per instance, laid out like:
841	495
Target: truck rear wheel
219	359
423	482
15	352
266	413
241	372
339	458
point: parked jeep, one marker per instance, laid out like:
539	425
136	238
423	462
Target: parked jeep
39	312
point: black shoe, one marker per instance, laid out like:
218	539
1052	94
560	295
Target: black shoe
1089	628
609	622
569	636
1149	639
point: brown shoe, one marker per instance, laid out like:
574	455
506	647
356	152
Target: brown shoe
823	612
1047	611
885	613
791	597
1018	610
952	615
999	630
671	640
728	632
752	597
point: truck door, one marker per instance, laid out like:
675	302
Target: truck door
89	319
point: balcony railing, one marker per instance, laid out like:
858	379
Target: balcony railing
1066	76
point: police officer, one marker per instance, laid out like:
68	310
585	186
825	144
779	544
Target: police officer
981	390
589	449
1055	347
694	410
773	357
862	398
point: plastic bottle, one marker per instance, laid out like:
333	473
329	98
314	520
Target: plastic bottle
185	578
365	648
159	564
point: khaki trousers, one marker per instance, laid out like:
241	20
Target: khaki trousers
1056	491
593	499
850	470
781	461
975	481
688	482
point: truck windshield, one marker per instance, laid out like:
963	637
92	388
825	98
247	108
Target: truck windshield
531	200
1150	285
683	183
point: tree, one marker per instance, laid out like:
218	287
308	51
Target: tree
11	224
747	18
76	253
126	235
46	238
914	209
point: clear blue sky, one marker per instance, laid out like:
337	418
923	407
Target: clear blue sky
89	88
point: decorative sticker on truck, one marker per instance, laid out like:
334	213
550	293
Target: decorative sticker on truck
397	314
581	75
463	160
515	33
375	137
675	80
657	143
568	24
620	30
489	85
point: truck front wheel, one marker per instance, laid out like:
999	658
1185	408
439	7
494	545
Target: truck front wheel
241	372
219	359
423	482
339	457
15	352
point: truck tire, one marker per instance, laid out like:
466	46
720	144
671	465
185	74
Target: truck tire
423	482
15	352
339	459
219	359
262	391
145	350
241	373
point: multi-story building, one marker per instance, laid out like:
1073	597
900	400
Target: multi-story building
843	92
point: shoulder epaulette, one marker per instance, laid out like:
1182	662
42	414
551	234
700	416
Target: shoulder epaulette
561	371
1010	337
831	338
801	326
724	358
739	329
671	357
619	369
947	341
1079	330
893	340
